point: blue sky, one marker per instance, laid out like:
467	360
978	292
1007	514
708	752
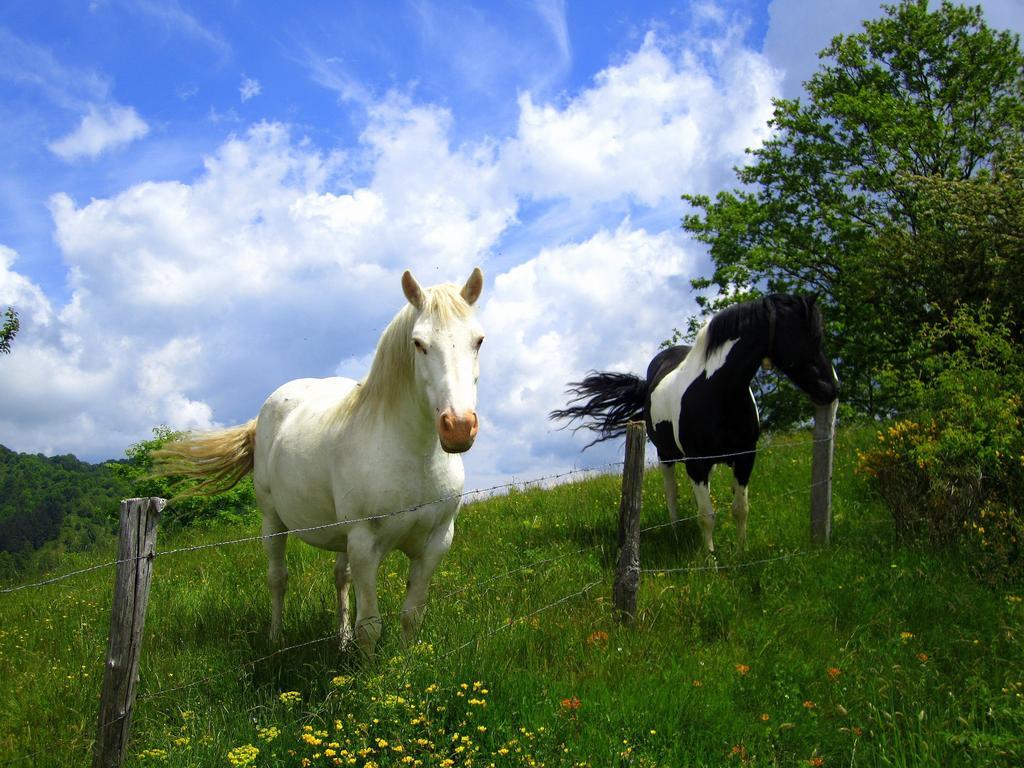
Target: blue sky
201	201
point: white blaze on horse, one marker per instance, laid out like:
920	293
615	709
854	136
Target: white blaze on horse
326	451
697	401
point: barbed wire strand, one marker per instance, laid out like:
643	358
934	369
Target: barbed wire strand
412	508
333	524
749	451
22	758
528	566
451	497
727	567
68	575
513	622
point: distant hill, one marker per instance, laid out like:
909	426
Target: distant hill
56	502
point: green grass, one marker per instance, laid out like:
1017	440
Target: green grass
866	653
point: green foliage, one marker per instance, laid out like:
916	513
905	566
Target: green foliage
59	504
9	330
235	505
914	118
955	469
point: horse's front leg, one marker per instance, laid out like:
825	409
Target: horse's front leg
668	474
421	568
364	559
342	580
700	476
741	471
740	508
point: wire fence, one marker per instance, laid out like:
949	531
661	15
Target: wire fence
551	478
531	566
333	524
479	637
727	566
385	615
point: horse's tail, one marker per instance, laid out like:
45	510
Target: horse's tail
220	459
605	403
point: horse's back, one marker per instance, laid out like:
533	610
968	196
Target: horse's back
308	393
301	404
291	464
665	362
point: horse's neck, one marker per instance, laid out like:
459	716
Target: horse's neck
404	414
743	360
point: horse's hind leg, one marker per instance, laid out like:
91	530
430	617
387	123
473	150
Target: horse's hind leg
342	580
274	543
668	474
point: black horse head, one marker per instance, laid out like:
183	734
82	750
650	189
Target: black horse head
795	345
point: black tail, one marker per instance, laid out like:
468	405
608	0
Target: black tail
605	403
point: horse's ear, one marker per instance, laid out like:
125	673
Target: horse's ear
412	290
473	287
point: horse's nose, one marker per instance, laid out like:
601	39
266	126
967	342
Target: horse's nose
457	432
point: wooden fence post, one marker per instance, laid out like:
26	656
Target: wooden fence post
136	546
821	472
627	574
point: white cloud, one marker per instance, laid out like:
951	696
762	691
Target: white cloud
249	89
69	387
193	301
101	129
171	16
32	65
553	14
648	126
482	48
605	303
331	73
19	291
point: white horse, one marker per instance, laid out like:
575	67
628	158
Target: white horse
335	450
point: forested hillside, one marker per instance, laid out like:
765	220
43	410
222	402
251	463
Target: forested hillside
59	499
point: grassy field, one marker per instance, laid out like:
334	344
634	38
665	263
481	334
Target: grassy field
868	653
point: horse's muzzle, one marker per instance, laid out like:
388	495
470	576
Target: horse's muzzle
457	433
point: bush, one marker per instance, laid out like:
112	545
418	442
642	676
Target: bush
953	470
235	505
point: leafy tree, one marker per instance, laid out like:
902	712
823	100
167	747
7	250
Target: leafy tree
60	504
913	118
9	330
235	505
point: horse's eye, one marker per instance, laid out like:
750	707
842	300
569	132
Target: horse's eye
420	345
478	343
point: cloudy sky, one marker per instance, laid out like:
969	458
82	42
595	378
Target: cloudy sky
201	201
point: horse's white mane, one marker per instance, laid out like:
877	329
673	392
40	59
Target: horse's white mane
390	375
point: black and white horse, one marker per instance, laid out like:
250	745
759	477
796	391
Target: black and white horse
697	400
